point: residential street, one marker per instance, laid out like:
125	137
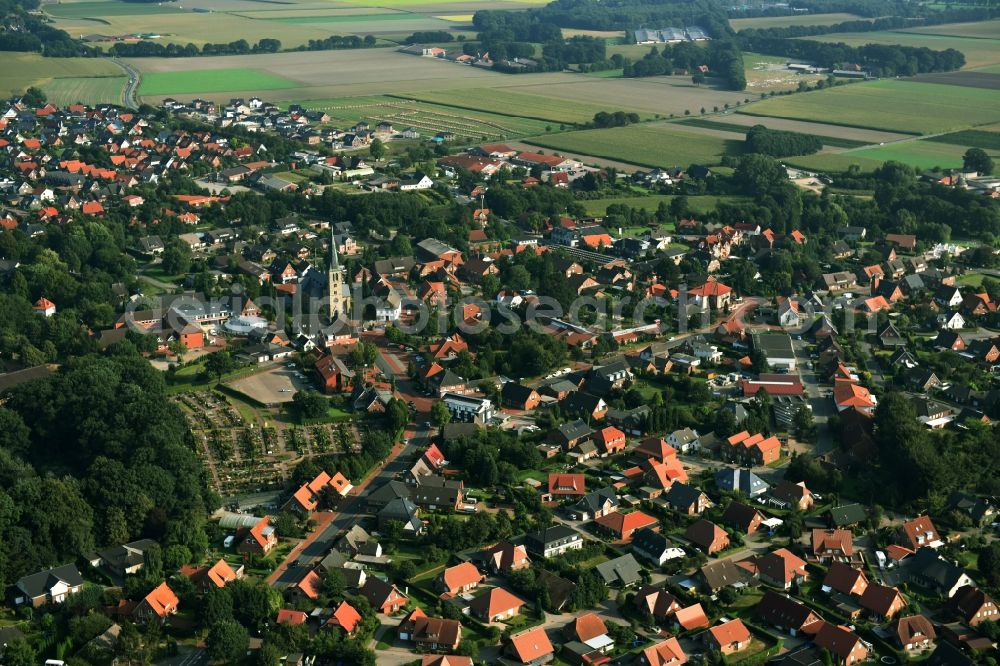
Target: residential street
348	514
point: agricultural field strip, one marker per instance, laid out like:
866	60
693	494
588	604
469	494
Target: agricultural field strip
979	52
832	141
890	105
987	140
423	116
651	145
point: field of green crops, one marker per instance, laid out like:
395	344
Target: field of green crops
922	154
87	90
23	70
210	81
900	106
651	145
798	19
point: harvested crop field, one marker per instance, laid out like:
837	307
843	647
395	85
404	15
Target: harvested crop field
650	145
330	74
427	119
658	94
210	81
798	19
892	105
969	79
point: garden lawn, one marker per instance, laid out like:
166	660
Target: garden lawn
210	81
651	145
899	106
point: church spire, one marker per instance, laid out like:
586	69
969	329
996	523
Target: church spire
334	261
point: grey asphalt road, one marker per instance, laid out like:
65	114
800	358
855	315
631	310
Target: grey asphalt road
352	510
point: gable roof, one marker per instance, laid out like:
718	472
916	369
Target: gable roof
346	617
730	632
461	575
162	600
843	578
494	602
692	617
665	653
531	645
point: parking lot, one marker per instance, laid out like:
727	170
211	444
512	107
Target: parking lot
274	386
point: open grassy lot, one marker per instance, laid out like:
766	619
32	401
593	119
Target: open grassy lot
88	90
799	19
700	204
978	52
22	70
766	73
832	162
428	119
921	154
508	102
209	81
894	105
652	145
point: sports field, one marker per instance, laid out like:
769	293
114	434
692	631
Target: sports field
210	81
893	105
978	52
23	70
651	145
87	90
799	19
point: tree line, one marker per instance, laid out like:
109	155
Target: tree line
148	49
884	60
722	57
781	143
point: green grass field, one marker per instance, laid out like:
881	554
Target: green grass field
921	154
798	19
521	104
700	204
978	52
88	90
349	18
103	9
210	81
899	106
652	145
832	162
974	138
23	70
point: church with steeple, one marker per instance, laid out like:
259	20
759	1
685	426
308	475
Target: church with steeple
340	297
